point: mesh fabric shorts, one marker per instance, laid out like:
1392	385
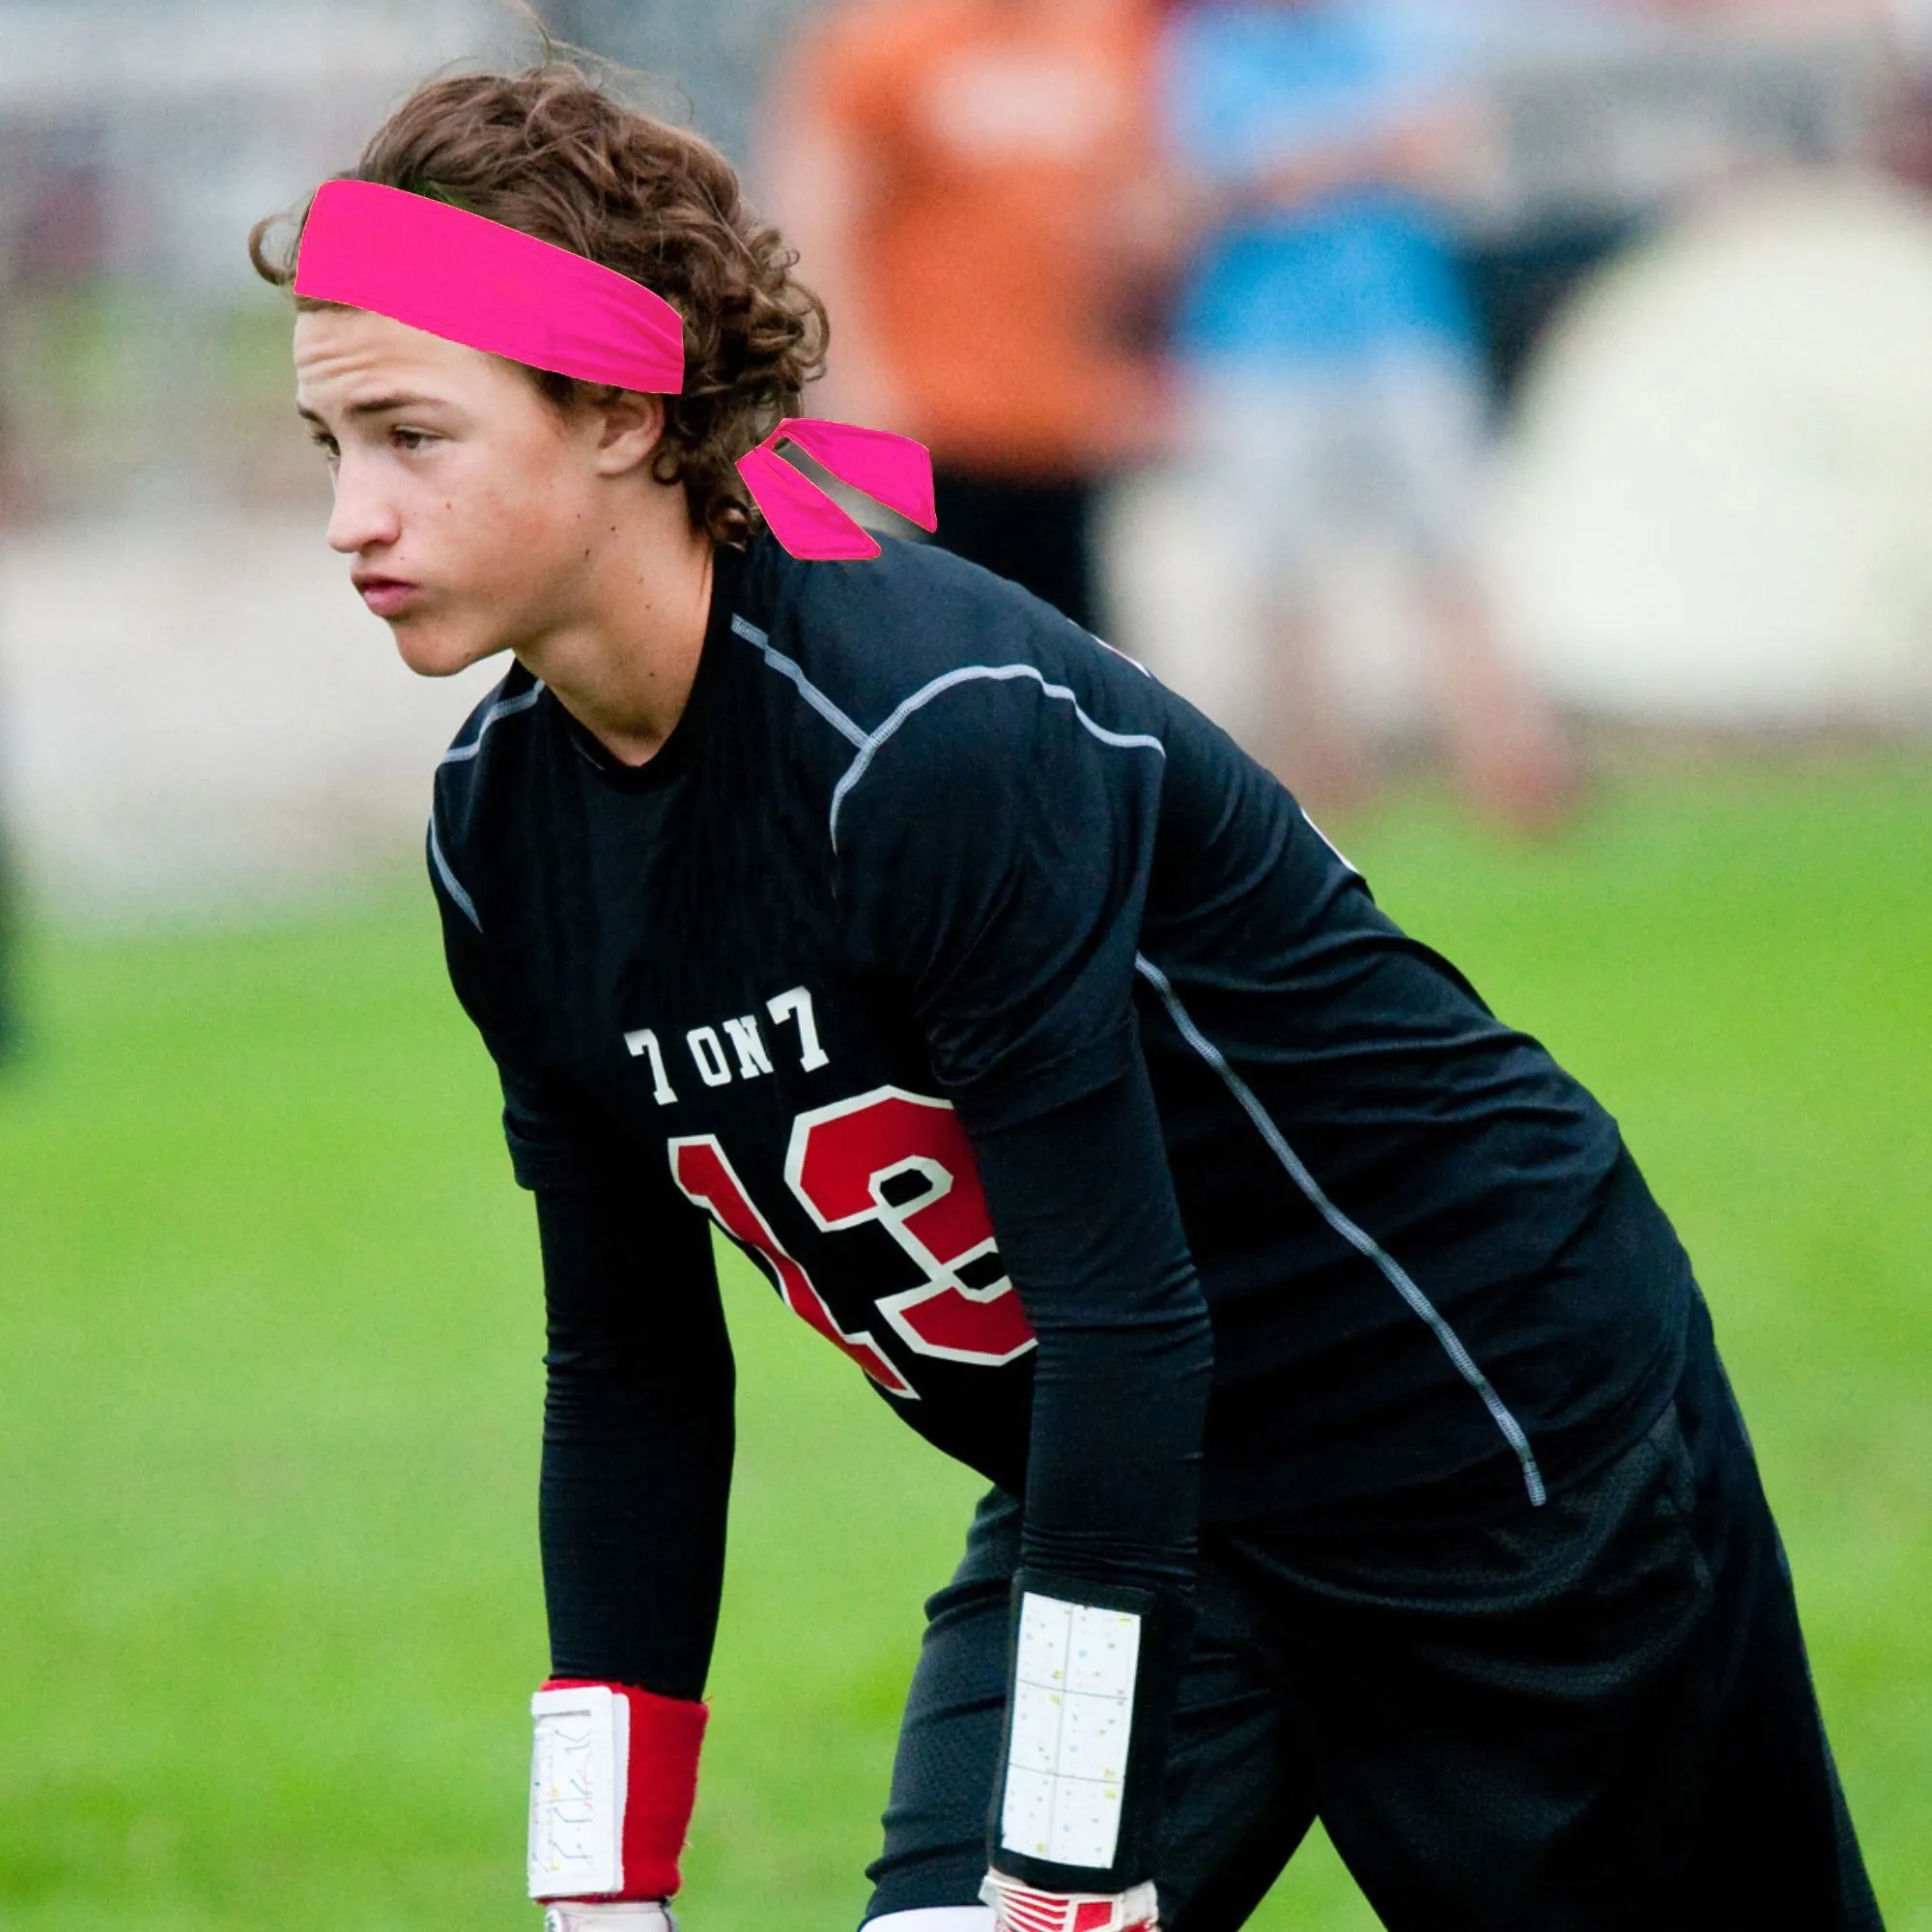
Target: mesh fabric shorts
1583	1718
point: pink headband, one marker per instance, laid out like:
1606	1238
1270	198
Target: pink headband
476	281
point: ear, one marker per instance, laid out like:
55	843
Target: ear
628	428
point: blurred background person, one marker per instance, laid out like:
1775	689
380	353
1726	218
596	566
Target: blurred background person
1521	266
963	179
1334	379
13	510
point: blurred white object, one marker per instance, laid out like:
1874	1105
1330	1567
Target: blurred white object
1716	507
200	711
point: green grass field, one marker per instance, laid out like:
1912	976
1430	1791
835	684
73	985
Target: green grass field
269	1377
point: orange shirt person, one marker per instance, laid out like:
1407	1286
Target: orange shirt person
965	181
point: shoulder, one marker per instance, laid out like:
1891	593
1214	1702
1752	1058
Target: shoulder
953	689
484	753
881	640
479	780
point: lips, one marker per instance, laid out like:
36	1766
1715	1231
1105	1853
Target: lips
384	596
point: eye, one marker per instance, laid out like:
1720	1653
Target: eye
418	438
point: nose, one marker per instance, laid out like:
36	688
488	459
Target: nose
362	517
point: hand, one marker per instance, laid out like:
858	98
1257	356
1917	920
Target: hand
1017	1907
651	1915
1432	151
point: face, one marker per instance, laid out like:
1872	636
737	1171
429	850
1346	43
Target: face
454	476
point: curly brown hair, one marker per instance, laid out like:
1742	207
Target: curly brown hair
549	152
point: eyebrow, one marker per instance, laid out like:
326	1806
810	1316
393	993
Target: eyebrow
377	405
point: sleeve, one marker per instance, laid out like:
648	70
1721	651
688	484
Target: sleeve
1083	1206
637	1408
637	1444
998	874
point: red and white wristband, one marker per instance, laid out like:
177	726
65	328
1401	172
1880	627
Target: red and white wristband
613	1778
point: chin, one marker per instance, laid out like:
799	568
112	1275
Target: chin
431	653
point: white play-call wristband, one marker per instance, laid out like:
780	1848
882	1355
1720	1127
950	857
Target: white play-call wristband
577	1784
1071	1722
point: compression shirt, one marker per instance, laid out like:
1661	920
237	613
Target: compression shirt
1051	1063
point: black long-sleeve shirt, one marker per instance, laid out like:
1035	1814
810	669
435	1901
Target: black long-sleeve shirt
637	1460
1051	1063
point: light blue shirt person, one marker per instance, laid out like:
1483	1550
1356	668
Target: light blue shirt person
1356	272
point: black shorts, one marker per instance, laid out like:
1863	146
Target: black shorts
1595	1714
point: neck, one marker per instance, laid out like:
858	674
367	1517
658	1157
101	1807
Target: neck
623	663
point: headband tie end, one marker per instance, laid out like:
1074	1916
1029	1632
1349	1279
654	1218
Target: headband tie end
892	469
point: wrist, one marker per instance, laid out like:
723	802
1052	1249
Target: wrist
613	1778
1095	1672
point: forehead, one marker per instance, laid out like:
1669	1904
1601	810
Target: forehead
342	354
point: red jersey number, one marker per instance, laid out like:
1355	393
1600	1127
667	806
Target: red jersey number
903	1160
700	1169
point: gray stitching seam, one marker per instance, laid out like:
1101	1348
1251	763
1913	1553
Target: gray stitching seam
509	708
451	883
1357	1237
807	690
870	743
